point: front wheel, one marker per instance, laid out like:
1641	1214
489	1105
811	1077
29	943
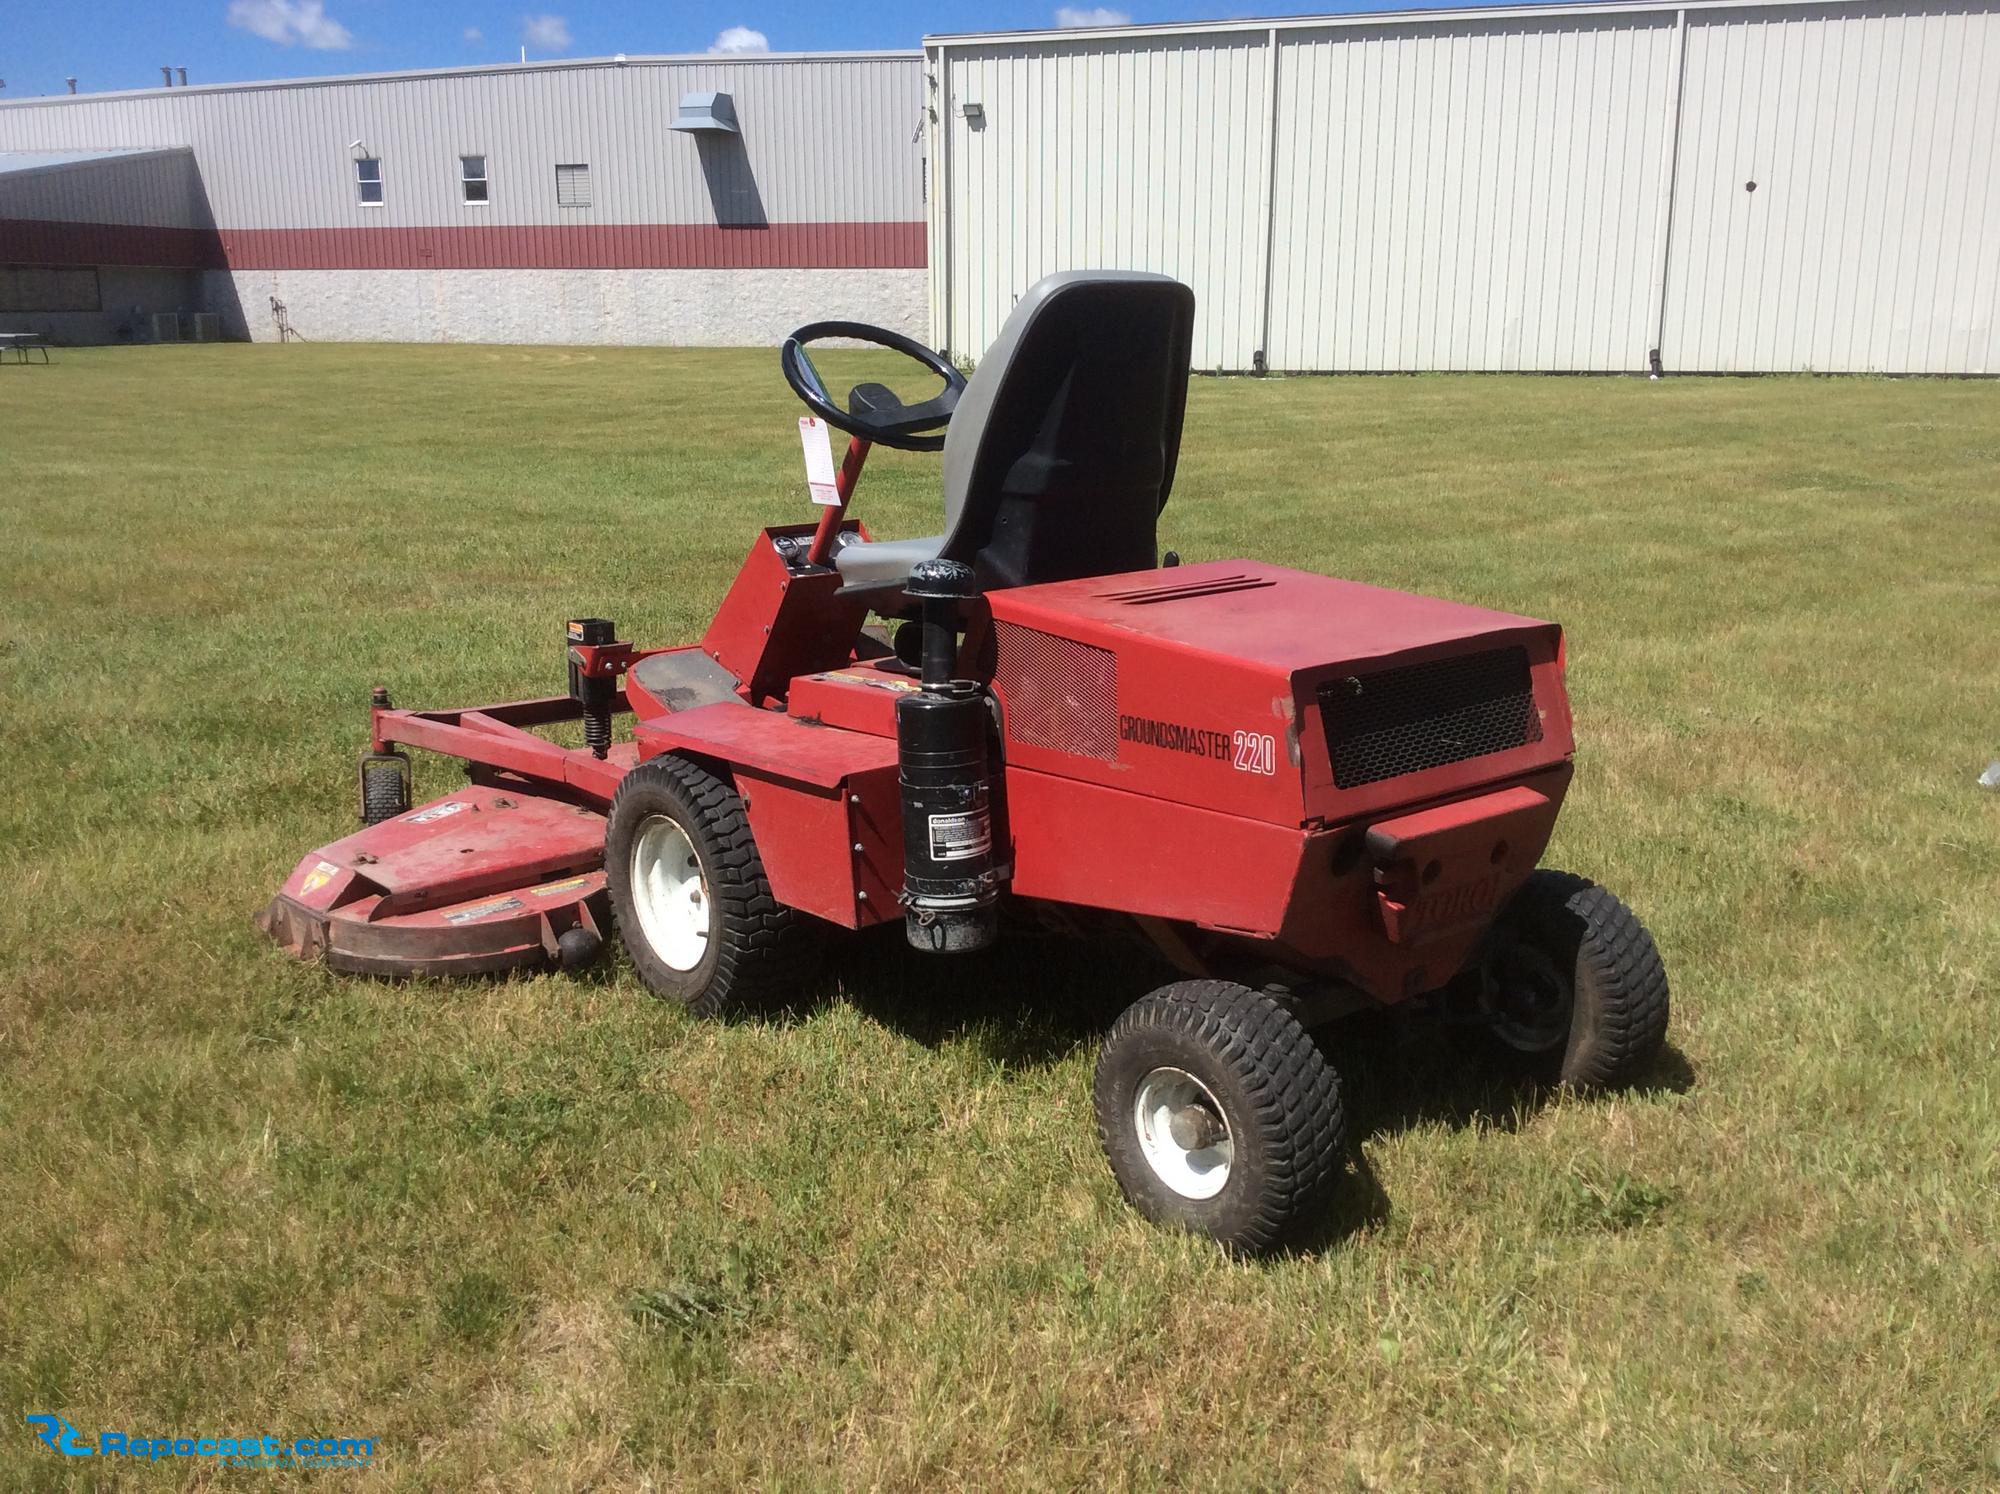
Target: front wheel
688	889
1218	1113
1573	990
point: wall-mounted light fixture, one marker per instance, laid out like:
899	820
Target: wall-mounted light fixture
974	113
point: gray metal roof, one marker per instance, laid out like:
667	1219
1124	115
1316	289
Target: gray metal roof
549	65
22	162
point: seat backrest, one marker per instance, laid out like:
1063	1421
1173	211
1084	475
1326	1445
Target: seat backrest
1061	453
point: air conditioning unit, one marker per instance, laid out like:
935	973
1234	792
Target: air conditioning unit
207	326
166	326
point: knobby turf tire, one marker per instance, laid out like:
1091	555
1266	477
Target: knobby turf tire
385	793
1618	1018
760	952
1279	1096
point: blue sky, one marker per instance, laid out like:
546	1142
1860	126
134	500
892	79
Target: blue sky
122	43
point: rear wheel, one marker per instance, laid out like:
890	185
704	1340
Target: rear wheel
688	889
1573	991
1218	1113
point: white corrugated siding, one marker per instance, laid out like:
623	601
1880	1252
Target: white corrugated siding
1502	191
1872	240
824	140
1478	196
1127	155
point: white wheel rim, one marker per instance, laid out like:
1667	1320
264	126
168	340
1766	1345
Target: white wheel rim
1199	1172
670	893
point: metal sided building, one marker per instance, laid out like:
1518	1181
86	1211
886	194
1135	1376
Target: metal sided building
148	235
1726	187
707	201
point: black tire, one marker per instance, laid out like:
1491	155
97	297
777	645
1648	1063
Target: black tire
1276	1093
1573	990
758	951
385	789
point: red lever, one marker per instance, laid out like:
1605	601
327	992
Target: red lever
843	487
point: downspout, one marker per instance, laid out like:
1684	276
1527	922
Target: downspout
944	329
1260	359
1655	357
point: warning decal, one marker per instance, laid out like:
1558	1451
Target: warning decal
960	837
435	812
484	910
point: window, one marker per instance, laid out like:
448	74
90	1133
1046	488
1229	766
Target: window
368	181
32	288
472	177
573	186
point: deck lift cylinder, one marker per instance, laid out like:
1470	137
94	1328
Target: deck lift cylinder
950	893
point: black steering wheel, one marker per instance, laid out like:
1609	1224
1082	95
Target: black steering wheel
874	413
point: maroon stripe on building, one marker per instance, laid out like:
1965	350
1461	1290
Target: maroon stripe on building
580	246
543	246
36	241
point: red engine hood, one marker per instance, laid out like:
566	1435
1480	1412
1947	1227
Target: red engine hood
1258	614
1203	684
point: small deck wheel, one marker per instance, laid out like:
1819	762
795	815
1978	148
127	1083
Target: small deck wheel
385	786
693	905
1573	990
1218	1113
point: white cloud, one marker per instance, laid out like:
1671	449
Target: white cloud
741	39
290	22
474	34
545	33
1097	15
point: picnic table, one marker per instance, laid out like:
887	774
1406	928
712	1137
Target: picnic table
23	343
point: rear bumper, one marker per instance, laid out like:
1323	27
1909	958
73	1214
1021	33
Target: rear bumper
1398	906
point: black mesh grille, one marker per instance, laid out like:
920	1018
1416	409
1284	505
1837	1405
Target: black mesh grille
1060	694
1399	721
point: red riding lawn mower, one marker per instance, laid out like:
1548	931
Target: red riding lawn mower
1311	795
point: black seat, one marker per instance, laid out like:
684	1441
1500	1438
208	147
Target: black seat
1062	450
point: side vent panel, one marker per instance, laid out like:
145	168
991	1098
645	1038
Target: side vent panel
1060	694
1423	716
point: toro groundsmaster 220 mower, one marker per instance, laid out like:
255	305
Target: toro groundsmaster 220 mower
1311	795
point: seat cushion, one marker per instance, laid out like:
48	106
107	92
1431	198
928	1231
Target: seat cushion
865	565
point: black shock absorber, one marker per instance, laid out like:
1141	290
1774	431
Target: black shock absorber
596	693
950	896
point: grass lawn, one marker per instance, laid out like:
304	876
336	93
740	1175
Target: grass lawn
549	1232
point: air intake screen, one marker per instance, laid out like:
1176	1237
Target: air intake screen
1060	694
1423	716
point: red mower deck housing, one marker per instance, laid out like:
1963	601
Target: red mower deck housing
477	882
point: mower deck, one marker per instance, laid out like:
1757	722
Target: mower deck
483	880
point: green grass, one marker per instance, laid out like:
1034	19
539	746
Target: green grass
548	1232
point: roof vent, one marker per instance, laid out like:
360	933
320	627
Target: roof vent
707	114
